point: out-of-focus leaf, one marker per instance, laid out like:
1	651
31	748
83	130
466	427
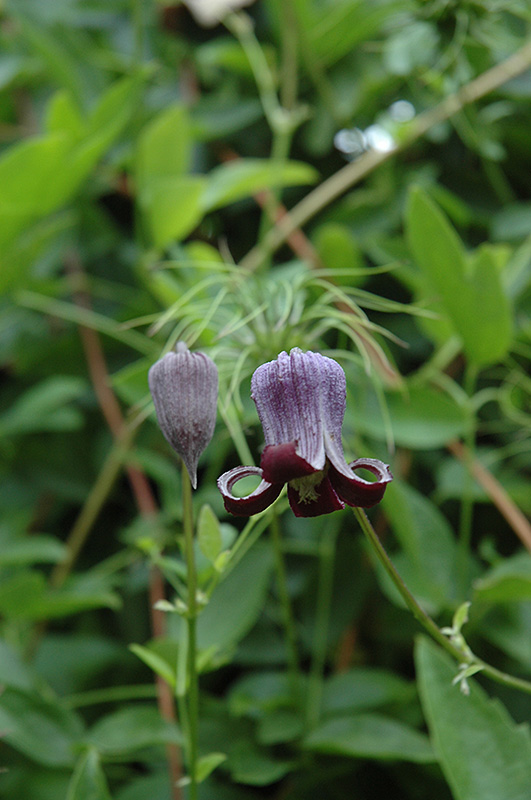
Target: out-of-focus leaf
248	764
469	287
43	730
209	533
131	729
172	206
88	780
482	752
14	672
31	550
42	408
244	177
508	581
370	736
361	688
164	147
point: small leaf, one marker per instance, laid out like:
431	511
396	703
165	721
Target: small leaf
207	764
209	533
130	729
482	752
508	581
155	662
88	781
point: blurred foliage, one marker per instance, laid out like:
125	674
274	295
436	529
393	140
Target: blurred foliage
142	157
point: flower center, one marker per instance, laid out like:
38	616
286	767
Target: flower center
307	486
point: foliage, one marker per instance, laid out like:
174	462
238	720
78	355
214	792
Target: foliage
145	167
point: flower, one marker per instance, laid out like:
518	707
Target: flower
301	400
184	387
210	12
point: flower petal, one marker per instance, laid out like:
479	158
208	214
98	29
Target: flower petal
355	490
325	501
287	396
280	463
262	497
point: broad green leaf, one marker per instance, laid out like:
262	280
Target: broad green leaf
172	206
209	533
256	693
155	662
469	288
421	418
361	688
14	672
43	730
282	725
338	249
43	407
130	729
63	115
254	766
428	561
164	147
508	581
484	755
31	550
88	781
370	736
244	177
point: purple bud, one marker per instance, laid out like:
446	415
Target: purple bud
184	387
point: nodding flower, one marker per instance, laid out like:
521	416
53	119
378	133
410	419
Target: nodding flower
301	401
184	387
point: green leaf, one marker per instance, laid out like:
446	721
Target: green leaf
207	764
88	781
428	561
244	177
508	581
469	288
43	730
155	662
42	408
370	736
251	765
31	550
130	729
164	147
361	688
172	206
484	755
421	418
209	533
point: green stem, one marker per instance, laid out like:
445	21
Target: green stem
191	620
426	621
322	619
287	611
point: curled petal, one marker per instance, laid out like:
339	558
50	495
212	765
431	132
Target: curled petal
262	497
355	490
324	502
280	463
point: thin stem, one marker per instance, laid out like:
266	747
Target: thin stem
285	602
426	621
325	586
191	620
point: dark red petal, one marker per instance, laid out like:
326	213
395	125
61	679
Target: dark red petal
262	497
325	502
280	463
356	491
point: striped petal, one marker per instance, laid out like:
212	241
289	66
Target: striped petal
262	497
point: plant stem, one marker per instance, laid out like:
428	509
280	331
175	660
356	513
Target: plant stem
426	621
287	611
327	547
191	621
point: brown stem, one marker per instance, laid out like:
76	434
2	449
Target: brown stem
497	494
141	489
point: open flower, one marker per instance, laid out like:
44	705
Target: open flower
184	387
301	399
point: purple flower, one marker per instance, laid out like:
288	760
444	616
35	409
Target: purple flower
301	399
184	387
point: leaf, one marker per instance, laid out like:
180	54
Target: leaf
42	408
164	147
88	781
207	764
172	206
125	731
469	288
428	561
244	177
155	662
43	730
370	736
484	755
209	533
31	550
362	688
508	581
421	418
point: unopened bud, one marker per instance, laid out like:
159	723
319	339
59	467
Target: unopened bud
184	387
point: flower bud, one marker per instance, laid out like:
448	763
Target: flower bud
184	387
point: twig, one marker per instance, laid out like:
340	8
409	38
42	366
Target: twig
497	494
